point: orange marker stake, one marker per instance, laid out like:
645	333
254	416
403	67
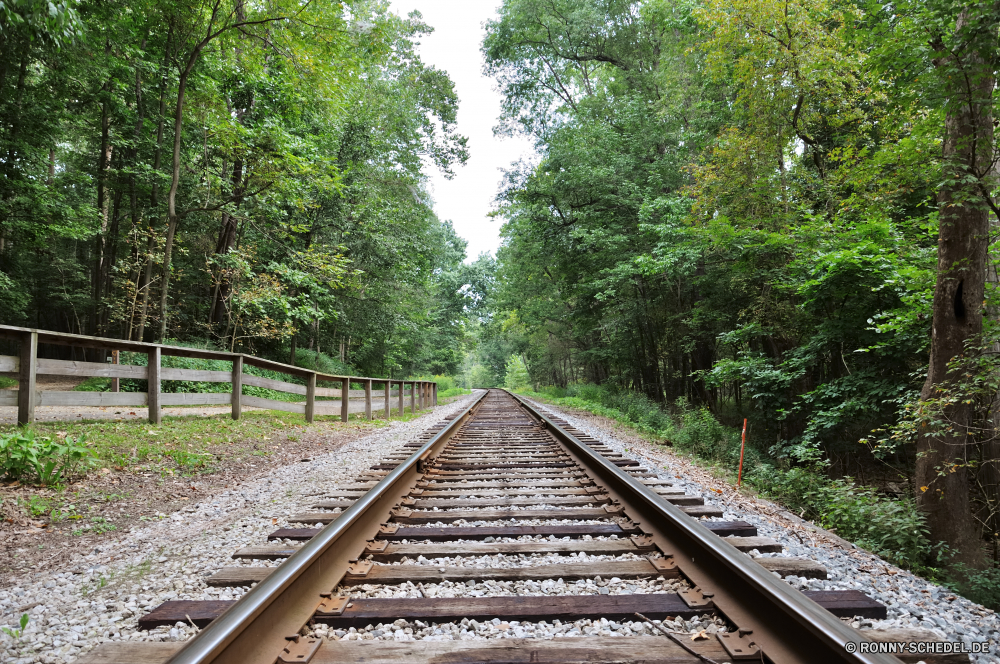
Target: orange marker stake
739	477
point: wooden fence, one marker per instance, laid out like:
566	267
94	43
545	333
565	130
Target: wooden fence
26	366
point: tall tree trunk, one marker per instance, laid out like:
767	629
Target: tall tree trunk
942	477
154	192
103	164
226	242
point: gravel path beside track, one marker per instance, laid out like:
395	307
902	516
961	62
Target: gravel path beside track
100	595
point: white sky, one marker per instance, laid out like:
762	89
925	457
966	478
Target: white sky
454	47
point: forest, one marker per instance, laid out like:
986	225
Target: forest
244	175
779	210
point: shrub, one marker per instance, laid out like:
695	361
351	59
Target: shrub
28	457
516	373
980	586
321	362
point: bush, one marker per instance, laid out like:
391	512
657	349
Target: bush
516	373
310	359
980	586
30	458
892	528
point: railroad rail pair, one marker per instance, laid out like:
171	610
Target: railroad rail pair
26	366
502	461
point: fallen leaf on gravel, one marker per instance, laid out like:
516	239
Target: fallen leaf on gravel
105	470
274	521
699	636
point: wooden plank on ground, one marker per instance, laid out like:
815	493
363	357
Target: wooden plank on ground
200	612
272	404
848	603
478	532
412	517
364	611
581	650
577	501
395	551
702	510
727	528
762	544
397	574
265	552
458	476
136	652
789	566
568	608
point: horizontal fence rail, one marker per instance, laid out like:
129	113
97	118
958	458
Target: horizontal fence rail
26	366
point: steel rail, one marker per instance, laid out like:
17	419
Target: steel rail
255	629
788	627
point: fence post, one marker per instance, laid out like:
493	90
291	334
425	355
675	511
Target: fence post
153	387
26	378
311	397
368	400
413	397
345	395
402	403
434	387
388	407
116	381
237	386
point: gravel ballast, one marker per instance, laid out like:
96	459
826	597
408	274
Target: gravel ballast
912	602
99	596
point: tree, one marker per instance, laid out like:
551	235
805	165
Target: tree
965	59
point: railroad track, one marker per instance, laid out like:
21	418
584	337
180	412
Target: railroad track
505	522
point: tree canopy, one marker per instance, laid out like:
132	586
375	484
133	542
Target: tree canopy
250	174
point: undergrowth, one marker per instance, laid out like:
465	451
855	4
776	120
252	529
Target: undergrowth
32	458
892	528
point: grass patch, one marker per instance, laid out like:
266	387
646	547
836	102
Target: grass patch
453	392
7	382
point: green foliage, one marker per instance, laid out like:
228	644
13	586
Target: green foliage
980	586
453	392
28	457
301	217
14	632
891	527
98	526
515	373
